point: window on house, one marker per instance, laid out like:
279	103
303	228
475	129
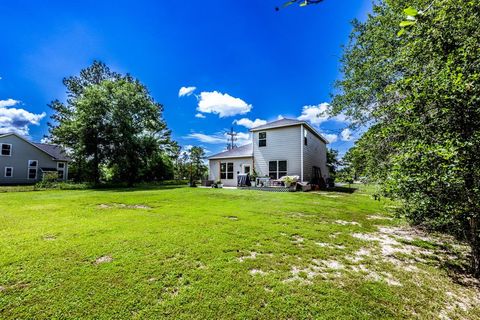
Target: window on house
6	149
277	169
262	139
230	170
8	172
305	140
61	170
246	169
226	170
32	169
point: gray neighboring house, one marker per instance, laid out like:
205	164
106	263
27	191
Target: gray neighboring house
279	148
23	162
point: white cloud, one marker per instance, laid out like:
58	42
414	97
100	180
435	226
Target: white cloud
243	138
247	123
200	115
205	138
17	120
220	138
222	104
186	91
346	134
330	137
317	114
45	140
280	117
8	103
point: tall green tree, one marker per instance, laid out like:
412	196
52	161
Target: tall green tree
196	166
413	70
111	121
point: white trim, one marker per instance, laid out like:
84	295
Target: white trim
278	167
32	167
231	157
61	169
1	147
302	129
226	170
5	172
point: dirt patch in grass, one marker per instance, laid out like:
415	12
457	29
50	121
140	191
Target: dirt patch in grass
122	206
378	217
346	223
408	249
329	245
49	237
252	255
103	259
234	218
257	272
297	239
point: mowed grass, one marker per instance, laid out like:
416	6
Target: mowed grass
211	253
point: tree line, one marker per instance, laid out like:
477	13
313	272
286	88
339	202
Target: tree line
114	131
411	73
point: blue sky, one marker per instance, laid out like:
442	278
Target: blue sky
245	60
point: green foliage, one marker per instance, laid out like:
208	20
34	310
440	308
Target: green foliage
421	92
196	166
113	127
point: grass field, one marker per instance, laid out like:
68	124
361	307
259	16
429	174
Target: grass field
212	253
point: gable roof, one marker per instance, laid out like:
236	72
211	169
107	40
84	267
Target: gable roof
240	152
278	123
288	123
54	151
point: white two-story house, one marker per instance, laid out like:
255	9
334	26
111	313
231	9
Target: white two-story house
279	148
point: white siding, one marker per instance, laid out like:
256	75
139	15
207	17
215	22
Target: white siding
238	163
282	144
314	154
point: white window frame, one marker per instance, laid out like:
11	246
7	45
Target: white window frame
1	148
264	139
5	172
278	168
61	169
227	171
32	167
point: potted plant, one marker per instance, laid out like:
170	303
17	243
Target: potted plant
288	181
253	178
218	184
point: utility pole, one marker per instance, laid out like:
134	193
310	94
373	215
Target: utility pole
232	139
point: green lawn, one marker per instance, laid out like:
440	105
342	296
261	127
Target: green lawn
212	253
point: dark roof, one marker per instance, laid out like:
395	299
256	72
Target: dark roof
240	152
55	151
287	123
278	123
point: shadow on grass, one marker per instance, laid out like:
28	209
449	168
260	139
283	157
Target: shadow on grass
342	189
137	188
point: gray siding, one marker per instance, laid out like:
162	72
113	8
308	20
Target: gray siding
238	163
282	144
23	151
314	154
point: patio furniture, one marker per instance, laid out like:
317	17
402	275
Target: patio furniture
263	182
243	180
